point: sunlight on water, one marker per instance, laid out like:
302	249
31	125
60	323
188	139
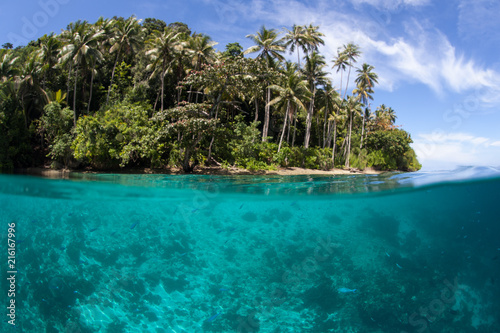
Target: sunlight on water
155	253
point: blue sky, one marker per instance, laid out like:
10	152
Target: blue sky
438	61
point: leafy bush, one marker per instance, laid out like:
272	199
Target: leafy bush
116	137
55	127
390	150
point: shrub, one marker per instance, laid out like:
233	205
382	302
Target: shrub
116	137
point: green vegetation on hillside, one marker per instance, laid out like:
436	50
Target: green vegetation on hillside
126	93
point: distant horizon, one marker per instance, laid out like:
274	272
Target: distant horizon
442	83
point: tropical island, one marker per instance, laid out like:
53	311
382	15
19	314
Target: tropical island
124	94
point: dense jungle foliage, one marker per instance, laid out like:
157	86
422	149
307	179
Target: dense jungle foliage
128	93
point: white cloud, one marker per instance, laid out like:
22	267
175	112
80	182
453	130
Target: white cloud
419	53
392	4
441	150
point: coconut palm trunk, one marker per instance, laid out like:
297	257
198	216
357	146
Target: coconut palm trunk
349	140
256	110
91	86
334	145
284	125
362	133
265	129
113	75
309	117
74	97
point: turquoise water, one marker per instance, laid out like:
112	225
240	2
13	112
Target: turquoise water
156	253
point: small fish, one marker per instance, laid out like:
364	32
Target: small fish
241	206
387	254
398	266
209	320
194	210
223	289
134	225
93	229
346	290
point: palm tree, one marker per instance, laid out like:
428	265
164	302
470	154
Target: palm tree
270	48
7	66
391	114
267	43
353	108
181	60
48	55
385	117
290	92
162	53
313	38
365	81
81	49
30	92
338	115
328	98
295	39
126	38
203	51
341	63
315	75
351	53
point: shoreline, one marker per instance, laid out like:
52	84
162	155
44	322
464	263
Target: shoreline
65	173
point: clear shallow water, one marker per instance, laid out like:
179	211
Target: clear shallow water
156	253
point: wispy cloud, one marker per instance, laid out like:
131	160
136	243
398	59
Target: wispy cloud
392	4
478	20
440	150
418	53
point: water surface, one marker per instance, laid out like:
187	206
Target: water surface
158	253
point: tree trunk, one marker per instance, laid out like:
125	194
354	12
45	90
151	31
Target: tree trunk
298	56
289	126
362	133
256	110
156	101
67	86
162	88
209	158
74	97
265	129
347	83
294	128
334	143
309	118
112	75
91	85
324	125
284	125
329	134
349	142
